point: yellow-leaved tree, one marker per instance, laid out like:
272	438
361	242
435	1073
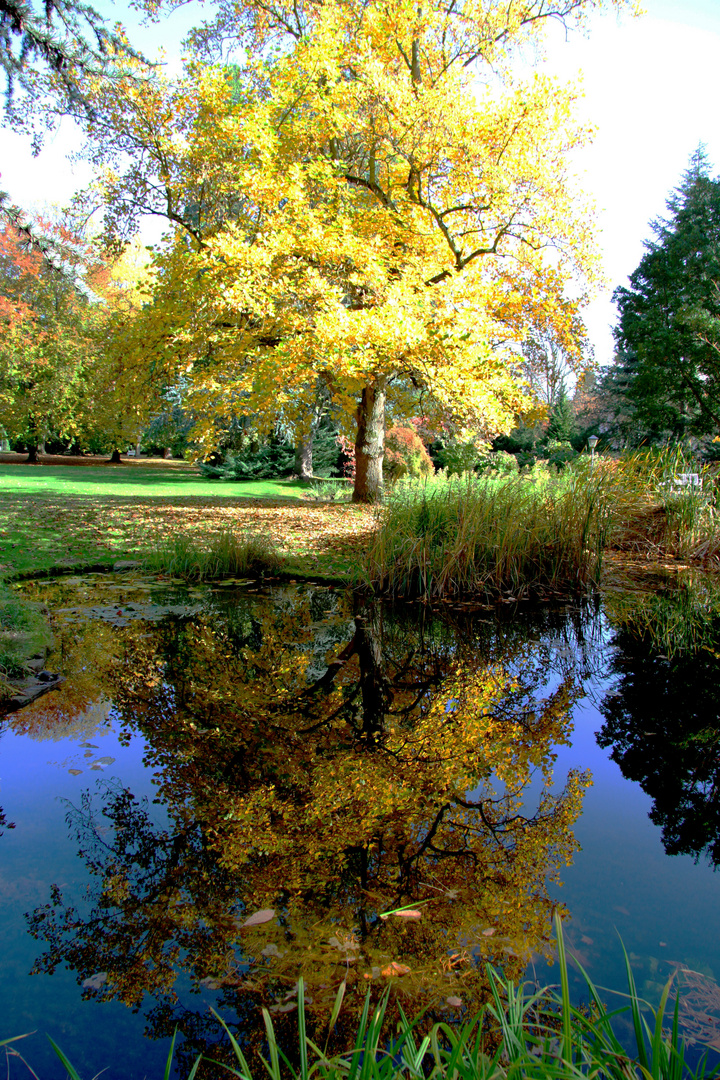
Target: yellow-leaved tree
375	203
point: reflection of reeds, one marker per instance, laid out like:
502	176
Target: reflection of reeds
23	634
226	555
676	621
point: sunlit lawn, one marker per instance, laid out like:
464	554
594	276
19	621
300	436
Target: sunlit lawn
63	515
135	481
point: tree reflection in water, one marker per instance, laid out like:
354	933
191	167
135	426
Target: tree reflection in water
315	765
662	716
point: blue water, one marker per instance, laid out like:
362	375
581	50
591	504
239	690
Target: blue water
621	885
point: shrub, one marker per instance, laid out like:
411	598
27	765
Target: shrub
456	457
560	453
270	459
405	454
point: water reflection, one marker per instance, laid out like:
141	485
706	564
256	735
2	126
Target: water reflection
662	716
313	764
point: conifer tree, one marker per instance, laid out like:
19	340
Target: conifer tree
668	336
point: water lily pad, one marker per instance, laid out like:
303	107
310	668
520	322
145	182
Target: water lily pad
75	772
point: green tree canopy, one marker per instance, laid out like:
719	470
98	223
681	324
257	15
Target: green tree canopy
668	337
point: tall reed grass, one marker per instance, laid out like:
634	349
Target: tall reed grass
539	531
226	555
654	515
521	1034
520	534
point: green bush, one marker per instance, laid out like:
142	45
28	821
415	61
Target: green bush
560	453
269	459
454	457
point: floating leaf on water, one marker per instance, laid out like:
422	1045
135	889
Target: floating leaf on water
589	941
96	768
489	932
88	746
456	1002
259	917
211	983
290	1007
412	914
95	982
75	772
394	968
104	761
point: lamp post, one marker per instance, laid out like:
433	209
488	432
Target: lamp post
592	443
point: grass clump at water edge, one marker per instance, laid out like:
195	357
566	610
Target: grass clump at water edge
521	1033
226	555
521	534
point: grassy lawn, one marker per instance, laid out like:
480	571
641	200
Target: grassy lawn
57	515
156	481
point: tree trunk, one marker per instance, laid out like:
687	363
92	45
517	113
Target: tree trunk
376	693
167	453
370	445
115	459
304	457
32	458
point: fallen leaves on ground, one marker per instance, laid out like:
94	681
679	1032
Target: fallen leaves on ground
46	530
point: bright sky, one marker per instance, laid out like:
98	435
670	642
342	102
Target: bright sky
652	88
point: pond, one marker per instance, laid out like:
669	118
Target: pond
238	785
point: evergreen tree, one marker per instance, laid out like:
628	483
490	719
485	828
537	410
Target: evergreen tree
668	337
562	420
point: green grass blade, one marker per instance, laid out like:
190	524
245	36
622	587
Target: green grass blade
657	1046
302	1033
339	997
636	1016
168	1063
567	1047
67	1065
236	1047
274	1067
14	1038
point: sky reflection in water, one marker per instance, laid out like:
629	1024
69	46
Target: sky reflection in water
362	812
